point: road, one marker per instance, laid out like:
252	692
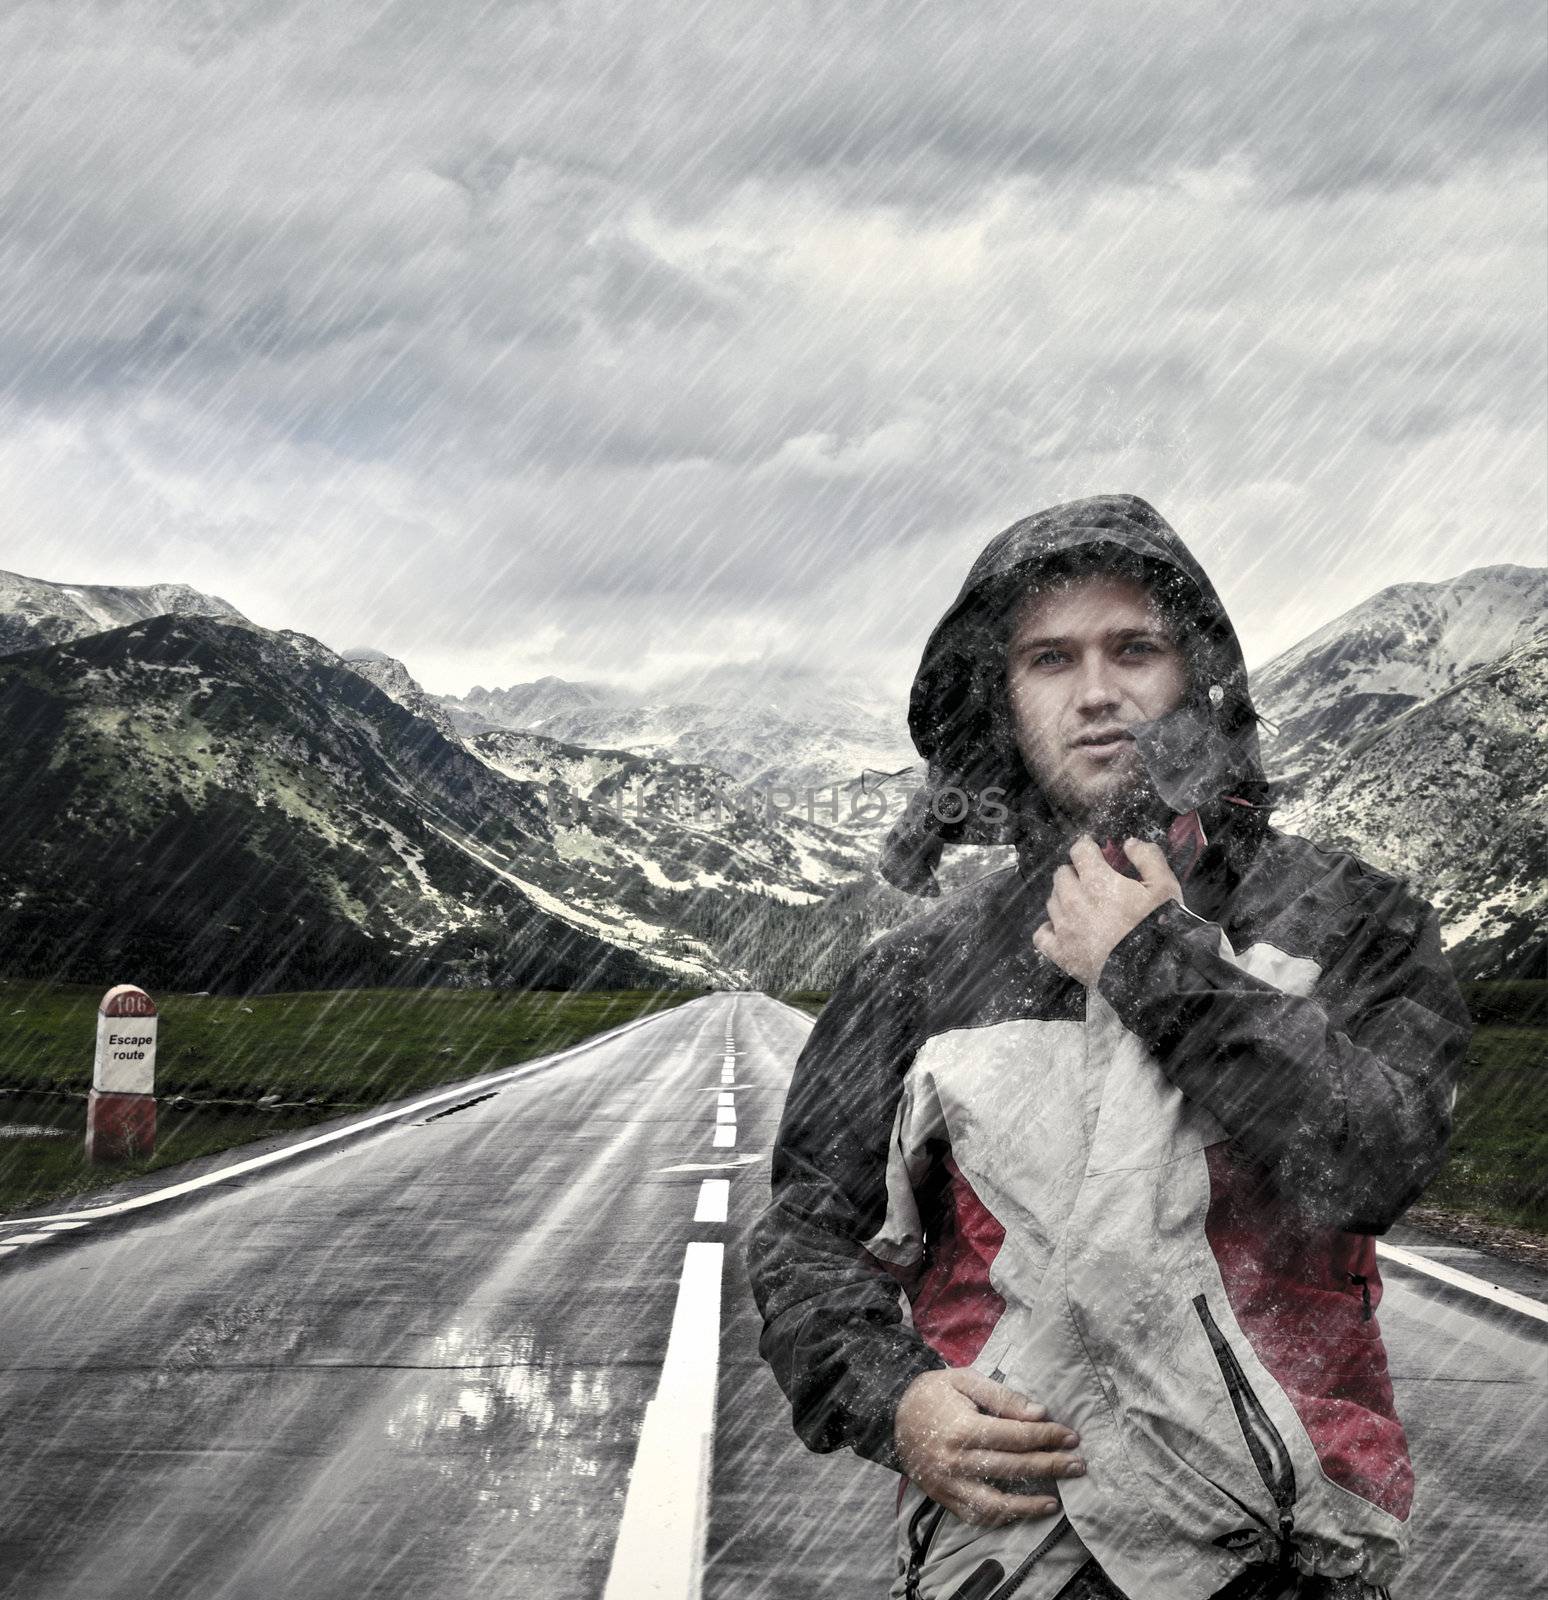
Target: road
418	1362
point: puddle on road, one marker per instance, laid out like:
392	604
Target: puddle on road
534	1424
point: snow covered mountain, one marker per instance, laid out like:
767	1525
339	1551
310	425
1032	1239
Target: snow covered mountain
532	705
203	804
35	612
683	826
299	815
1399	648
1452	794
398	683
1411	730
763	723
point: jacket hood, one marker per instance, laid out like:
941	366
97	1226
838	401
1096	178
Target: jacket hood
977	789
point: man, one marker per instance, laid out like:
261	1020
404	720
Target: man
1120	1121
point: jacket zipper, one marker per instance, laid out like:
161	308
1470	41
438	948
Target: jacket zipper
1269	1452
976	1586
1019	1576
919	1543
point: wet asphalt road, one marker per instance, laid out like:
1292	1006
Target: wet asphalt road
417	1365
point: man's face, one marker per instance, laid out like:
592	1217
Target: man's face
1086	660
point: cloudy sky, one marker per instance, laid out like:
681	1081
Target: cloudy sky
608	339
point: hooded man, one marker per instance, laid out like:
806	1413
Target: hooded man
1118	1122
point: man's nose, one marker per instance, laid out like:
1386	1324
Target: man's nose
1097	688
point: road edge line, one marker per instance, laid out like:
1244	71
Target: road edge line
1481	1287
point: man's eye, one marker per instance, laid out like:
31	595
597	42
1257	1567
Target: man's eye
1144	646
1044	657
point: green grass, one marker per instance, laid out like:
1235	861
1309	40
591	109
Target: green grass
321	1053
1497	1169
812	1000
341	1047
1508	1002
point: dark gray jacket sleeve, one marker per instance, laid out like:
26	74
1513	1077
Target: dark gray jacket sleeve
1345	1096
833	1328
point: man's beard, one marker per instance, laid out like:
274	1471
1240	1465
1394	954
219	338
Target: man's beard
1131	810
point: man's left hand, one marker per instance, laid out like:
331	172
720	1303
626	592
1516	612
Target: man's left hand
1093	906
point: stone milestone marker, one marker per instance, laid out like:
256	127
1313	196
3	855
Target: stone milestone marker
121	1113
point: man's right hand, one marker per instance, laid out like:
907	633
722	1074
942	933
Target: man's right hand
956	1430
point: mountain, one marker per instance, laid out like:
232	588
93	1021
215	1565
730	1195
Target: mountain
397	683
1401	647
685	827
531	705
197	804
35	612
1410	731
764	723
1452	794
294	815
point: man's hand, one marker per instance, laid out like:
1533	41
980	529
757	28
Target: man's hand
957	1430
1092	907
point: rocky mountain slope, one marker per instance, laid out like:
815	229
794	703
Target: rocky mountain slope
398	683
530	706
292	815
1452	794
1401	647
35	612
199	804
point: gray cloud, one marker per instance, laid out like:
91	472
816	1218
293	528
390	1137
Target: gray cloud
600	338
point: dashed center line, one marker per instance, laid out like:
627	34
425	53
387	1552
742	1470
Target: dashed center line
714	1200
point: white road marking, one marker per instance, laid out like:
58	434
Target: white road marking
29	1238
725	1137
712	1166
726	1114
1465	1280
726	1099
714	1199
256	1163
61	1227
660	1549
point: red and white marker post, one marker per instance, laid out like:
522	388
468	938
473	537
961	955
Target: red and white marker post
121	1113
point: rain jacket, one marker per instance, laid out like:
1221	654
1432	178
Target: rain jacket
1149	1207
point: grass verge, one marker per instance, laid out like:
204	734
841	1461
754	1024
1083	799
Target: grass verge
313	1055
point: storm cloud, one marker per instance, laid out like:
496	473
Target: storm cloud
609	339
